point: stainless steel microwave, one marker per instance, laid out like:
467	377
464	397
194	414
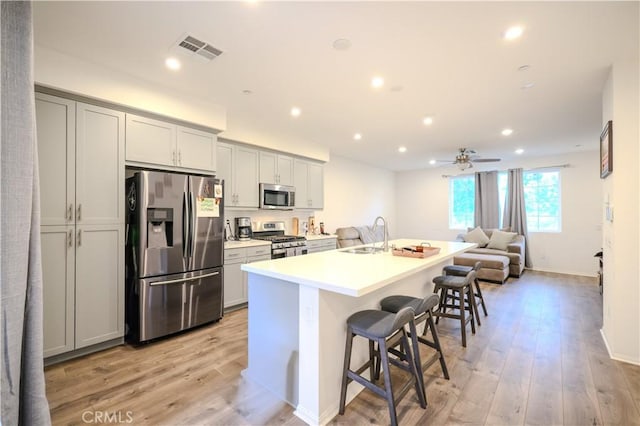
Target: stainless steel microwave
280	197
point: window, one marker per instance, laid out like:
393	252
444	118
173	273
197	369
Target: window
541	199
462	200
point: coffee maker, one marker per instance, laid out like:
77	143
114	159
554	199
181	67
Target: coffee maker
243	228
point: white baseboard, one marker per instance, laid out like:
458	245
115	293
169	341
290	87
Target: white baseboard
615	356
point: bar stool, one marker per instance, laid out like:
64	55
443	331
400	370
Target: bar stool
387	330
423	309
458	289
462	271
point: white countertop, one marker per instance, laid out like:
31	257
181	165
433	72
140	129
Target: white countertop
311	237
350	273
244	244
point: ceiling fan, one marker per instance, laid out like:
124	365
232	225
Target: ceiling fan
466	157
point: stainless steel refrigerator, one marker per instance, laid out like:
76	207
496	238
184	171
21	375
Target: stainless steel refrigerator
174	253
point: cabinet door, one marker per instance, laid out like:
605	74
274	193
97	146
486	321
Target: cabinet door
99	166
268	167
285	170
58	251
300	179
196	149
315	186
234	286
150	141
224	160
99	284
55	120
245	175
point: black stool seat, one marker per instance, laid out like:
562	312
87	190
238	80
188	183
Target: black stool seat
450	281
387	330
419	306
423	309
457	270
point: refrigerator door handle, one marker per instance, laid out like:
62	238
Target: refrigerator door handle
192	224
182	280
185	225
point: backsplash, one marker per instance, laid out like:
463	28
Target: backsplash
282	215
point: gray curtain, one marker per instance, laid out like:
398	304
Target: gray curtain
24	400
487	205
515	215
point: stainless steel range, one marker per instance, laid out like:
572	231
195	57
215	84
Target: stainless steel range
281	245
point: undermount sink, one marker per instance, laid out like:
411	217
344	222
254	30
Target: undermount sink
363	250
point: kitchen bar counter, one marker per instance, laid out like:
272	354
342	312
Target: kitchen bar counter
298	308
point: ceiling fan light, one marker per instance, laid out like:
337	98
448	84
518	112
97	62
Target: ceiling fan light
464	165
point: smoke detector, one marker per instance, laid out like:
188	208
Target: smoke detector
190	45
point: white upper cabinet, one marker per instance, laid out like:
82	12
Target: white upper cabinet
150	141
99	161
239	167
56	118
309	183
168	146
246	167
196	149
276	168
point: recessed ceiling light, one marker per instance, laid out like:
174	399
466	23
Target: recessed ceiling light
357	136
173	64
524	68
377	82
513	33
519	151
428	121
507	132
432	162
247	92
527	85
342	44
295	112
402	149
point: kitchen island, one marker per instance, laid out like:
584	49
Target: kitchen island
298	307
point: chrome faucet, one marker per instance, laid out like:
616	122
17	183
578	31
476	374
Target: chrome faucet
385	246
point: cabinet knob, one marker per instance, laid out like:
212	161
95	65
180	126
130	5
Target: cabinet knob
70	213
70	239
79	213
79	239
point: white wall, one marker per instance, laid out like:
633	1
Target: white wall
423	203
621	299
354	194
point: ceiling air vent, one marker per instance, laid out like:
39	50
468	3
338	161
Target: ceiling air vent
190	44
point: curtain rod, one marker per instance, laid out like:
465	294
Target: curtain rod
559	166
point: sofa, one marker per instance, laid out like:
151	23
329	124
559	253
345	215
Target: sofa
497	264
357	236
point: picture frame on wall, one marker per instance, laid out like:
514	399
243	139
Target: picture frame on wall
606	150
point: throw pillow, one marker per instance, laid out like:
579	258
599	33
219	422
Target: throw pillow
476	236
500	240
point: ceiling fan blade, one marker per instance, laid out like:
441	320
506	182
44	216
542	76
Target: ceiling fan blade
486	160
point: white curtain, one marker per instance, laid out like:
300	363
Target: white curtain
515	215
24	400
487	204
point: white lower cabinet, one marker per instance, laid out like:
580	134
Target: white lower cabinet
324	244
235	280
58	260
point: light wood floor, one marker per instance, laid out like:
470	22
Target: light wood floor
538	358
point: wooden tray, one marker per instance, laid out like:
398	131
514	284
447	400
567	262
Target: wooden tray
426	252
